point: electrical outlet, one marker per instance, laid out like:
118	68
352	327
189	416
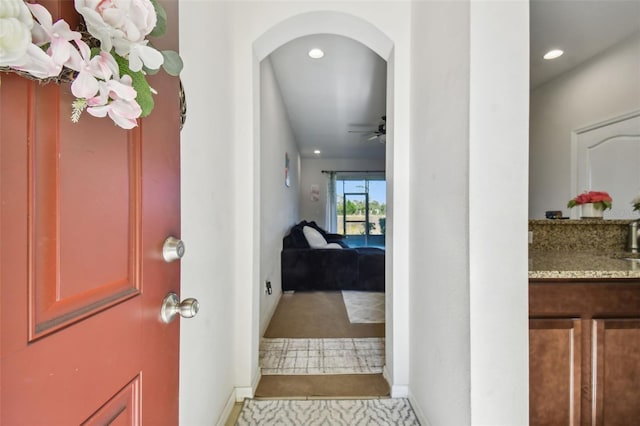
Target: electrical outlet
267	287
530	237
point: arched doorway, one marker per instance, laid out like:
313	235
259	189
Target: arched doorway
325	22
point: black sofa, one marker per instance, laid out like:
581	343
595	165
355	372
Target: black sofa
309	269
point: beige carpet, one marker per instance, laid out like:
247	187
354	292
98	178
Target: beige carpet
317	315
337	386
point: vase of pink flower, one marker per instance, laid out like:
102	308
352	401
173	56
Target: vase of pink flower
592	204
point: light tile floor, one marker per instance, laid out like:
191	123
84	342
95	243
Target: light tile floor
321	356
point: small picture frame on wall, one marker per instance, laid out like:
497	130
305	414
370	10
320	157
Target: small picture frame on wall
287	180
315	192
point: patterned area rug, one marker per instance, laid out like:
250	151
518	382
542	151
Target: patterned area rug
321	356
328	412
364	306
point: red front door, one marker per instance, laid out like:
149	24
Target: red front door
85	210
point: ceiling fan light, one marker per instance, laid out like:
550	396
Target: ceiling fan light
316	152
316	53
552	54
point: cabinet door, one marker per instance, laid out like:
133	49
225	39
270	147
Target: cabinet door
616	371
554	371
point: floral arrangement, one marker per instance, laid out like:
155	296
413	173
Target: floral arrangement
107	62
600	199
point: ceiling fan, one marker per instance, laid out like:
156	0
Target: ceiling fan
380	133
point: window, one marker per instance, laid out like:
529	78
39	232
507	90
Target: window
361	205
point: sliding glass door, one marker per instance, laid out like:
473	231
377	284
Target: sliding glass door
361	211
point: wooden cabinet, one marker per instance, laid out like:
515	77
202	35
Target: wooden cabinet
554	371
616	372
584	347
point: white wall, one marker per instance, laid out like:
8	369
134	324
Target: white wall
440	346
498	250
254	38
311	174
435	253
206	342
469	327
606	86
278	203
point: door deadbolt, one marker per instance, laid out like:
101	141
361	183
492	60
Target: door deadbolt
172	249
171	306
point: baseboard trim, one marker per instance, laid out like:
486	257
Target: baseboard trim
228	407
270	314
416	409
249	391
244	392
397	391
386	374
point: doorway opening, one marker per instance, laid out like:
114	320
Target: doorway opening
268	257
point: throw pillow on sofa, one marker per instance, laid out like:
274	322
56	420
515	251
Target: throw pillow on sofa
333	246
314	238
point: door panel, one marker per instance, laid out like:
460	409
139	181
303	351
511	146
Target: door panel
554	371
86	208
616	142
123	409
616	371
85	193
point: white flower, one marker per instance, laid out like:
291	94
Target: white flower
57	34
140	53
123	26
15	31
37	63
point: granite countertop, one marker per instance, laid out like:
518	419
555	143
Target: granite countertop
581	265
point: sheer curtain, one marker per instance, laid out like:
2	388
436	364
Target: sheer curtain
331	219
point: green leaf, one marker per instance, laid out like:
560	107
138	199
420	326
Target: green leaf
144	97
161	23
172	62
149	71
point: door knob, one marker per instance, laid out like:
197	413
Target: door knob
172	249
171	306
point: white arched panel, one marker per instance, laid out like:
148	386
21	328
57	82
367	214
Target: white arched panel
608	159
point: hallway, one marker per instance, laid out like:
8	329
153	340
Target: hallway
311	349
312	332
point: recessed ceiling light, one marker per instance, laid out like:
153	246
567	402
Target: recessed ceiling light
316	53
552	54
317	152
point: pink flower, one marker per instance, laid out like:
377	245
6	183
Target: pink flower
117	99
600	198
58	35
101	66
